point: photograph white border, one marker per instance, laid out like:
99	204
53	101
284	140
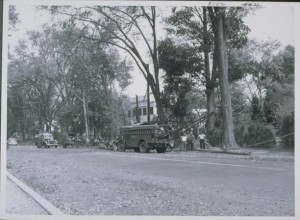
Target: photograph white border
3	215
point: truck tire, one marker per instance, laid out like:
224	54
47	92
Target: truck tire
143	147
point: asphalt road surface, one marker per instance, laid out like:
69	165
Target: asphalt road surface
89	181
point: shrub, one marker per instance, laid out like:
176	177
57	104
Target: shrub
257	133
240	132
288	128
215	136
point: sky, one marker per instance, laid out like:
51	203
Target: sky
268	23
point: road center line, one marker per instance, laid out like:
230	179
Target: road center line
198	162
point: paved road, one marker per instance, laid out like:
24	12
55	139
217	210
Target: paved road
92	181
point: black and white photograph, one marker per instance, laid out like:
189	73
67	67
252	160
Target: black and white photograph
139	109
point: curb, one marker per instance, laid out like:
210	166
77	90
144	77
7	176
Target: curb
225	152
51	209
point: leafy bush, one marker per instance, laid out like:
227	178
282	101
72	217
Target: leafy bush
288	128
215	137
257	133
240	132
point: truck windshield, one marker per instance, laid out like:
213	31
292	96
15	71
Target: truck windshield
48	136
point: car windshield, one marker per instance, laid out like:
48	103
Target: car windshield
11	139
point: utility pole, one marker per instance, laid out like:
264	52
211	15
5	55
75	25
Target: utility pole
137	112
148	95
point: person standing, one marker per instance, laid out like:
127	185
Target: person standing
191	140
202	140
183	138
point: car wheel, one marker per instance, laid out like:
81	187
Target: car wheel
143	147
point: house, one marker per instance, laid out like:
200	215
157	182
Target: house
143	110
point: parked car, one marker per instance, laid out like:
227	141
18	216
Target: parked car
11	141
45	140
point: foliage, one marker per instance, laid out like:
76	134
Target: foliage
13	17
257	114
235	29
256	133
52	76
288	128
131	29
268	81
181	64
215	137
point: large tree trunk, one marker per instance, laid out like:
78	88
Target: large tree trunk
222	59
209	78
210	99
154	85
85	116
160	109
22	128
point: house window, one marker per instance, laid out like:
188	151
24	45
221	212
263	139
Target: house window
140	112
151	110
128	113
144	111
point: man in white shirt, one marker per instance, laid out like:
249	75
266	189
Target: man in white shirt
202	140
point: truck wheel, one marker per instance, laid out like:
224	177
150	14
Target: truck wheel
143	147
121	146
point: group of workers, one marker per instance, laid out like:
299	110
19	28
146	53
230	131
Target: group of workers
188	140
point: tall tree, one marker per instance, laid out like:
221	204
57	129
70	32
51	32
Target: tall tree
192	23
217	16
181	65
132	29
59	76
